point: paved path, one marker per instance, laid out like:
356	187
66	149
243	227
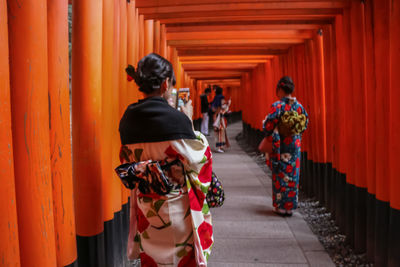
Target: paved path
247	232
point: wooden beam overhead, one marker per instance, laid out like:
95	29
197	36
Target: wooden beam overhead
215	7
218	66
230	42
283	13
154	3
223	57
226	52
256	34
242	27
247	19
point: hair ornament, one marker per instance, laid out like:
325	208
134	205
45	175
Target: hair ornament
131	73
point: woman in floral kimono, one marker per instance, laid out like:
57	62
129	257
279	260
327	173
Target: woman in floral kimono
284	126
172	229
220	107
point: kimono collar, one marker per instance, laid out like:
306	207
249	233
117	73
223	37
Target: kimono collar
288	100
154	120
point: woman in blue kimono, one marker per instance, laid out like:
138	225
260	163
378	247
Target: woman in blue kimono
283	126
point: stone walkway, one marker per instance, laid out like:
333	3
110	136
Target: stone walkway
247	232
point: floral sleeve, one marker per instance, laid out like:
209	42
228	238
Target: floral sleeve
272	119
197	159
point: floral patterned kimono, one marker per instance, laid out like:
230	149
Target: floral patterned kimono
173	229
284	161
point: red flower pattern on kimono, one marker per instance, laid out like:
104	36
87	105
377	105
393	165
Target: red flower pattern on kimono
188	261
196	199
147	261
289	168
292	194
205	232
205	172
170	152
142	221
288	205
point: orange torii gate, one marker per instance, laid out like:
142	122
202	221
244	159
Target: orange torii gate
342	54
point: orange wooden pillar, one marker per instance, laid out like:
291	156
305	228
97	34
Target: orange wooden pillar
123	86
359	123
157	37
371	125
321	102
86	131
132	57
30	125
163	41
148	36
394	222
116	110
123	94
106	110
382	70
330	87
344	79
9	247
60	136
141	37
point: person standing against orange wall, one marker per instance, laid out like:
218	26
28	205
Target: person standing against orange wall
284	126
205	106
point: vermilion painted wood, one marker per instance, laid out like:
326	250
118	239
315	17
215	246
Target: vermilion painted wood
123	93
228	15
60	134
321	95
359	113
86	115
132	43
106	110
157	37
153	3
394	106
344	75
148	36
248	19
281	6
116	76
30	129
141	37
329	91
193	51
9	246
163	41
382	68
243	27
232	34
230	42
123	86
371	98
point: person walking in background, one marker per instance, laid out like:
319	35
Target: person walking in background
284	126
205	106
220	107
170	221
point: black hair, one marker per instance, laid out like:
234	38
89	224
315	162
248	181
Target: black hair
218	90
207	90
151	72
286	84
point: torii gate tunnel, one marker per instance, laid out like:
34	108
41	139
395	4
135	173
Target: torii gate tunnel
61	203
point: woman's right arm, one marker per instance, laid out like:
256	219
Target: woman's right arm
271	121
